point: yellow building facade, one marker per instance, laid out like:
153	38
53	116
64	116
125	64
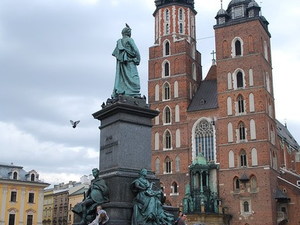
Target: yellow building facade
21	196
48	207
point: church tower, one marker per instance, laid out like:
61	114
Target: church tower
174	75
246	127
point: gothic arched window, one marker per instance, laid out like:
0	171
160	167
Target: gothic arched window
167	140
239	80
204	140
166	69
174	188
167	48
246	206
168	165
167	115
242	131
236	183
238	48
243	159
166	91
241	105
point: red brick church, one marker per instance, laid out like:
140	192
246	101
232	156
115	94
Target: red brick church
216	144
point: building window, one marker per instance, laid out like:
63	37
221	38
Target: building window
167	140
167	31
180	14
238	48
243	159
11	219
239	80
13	196
246	207
176	89
167	115
177	113
241	105
15	175
32	177
242	131
204	140
168	165
180	28
29	219
174	188
156	141
167	48
167	14
178	138
166	91
166	69
236	184
31	198
230	132
254	157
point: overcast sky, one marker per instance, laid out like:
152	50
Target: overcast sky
56	65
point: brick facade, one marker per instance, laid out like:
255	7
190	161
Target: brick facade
247	144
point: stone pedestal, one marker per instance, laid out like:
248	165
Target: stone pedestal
125	148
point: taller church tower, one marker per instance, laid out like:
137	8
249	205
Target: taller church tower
246	133
174	75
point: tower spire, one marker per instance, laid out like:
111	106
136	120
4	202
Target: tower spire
221	4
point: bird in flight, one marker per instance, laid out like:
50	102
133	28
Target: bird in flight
74	124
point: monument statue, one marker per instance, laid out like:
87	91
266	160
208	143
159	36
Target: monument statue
147	206
127	81
96	195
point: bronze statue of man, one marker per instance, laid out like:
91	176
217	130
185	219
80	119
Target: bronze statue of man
97	194
127	81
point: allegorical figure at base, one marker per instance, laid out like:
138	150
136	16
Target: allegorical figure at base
147	206
127	81
96	195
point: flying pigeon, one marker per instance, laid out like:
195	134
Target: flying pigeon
74	124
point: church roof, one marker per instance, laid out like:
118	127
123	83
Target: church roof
205	97
284	133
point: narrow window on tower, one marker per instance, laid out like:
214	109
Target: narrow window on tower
167	15
231	159
174	188
243	158
238	48
166	91
167	115
167	29
166	69
32	177
241	104
239	80
181	28
167	48
168	165
246	207
180	14
242	131
167	140
236	184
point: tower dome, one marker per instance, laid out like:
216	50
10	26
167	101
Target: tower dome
238	2
160	3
